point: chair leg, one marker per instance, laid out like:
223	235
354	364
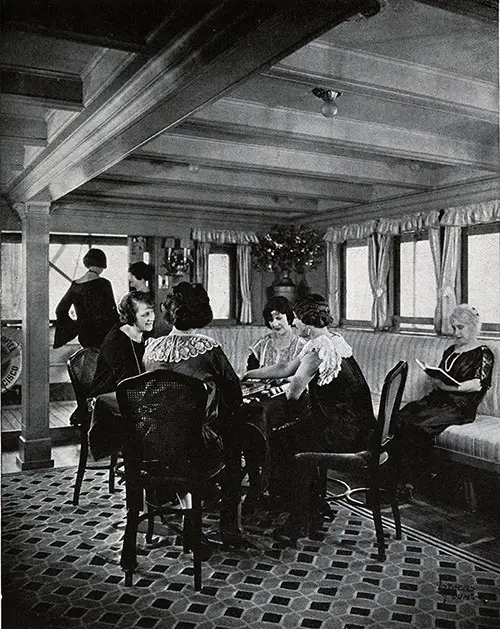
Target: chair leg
82	464
397	519
112	465
151	518
196	529
128	559
374	499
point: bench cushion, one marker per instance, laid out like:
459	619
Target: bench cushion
479	440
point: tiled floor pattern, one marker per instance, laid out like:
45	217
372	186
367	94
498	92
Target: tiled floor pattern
60	570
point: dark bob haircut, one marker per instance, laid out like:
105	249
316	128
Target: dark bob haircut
129	305
188	306
277	304
313	310
95	257
141	271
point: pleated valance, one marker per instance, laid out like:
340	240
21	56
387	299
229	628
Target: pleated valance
224	236
388	226
352	231
472	214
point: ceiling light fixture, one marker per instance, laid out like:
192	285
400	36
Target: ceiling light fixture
329	107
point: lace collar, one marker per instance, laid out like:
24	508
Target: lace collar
331	348
177	347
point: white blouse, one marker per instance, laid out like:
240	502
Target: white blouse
331	348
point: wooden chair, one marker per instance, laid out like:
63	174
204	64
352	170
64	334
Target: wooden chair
81	368
375	461
163	418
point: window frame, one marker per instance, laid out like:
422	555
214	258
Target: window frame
57	238
344	321
405	323
230	250
474	230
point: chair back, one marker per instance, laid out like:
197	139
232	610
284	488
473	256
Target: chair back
81	369
390	401
163	416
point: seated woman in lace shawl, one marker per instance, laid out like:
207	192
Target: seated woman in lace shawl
185	350
331	397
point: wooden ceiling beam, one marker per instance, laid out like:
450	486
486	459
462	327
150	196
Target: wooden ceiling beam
144	170
194	62
55	89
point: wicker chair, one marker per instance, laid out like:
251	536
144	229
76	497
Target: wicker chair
81	368
163	423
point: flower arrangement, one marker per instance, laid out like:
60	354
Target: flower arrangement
288	248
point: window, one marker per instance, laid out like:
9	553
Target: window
481	259
12	278
221	281
358	294
417	285
66	263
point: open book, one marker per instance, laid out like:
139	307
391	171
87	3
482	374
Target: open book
437	372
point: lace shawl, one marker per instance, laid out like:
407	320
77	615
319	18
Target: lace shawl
175	348
331	348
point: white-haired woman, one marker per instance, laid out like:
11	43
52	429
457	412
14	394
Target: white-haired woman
468	361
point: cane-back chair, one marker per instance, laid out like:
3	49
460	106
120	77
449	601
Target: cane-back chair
164	414
81	369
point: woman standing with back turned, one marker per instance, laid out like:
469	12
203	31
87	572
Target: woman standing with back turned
94	304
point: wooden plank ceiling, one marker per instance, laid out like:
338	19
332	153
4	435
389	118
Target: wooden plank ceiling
197	106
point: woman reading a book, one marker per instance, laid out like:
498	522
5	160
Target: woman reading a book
470	364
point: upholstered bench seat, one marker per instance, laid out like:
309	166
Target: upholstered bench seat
479	440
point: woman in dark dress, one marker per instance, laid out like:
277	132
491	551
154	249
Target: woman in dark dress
330	398
419	422
120	356
186	351
122	351
94	303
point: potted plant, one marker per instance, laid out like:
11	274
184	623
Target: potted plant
287	248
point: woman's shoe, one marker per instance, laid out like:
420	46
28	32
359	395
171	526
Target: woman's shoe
286	537
236	540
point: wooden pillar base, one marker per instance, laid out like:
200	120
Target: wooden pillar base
34	454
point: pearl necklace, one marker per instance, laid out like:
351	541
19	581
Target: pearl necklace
454	356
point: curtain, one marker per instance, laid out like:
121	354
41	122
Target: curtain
243	258
379	261
242	240
201	251
446	260
333	280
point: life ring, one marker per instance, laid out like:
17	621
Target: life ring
11	362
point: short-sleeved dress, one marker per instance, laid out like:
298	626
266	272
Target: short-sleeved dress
264	352
439	409
341	417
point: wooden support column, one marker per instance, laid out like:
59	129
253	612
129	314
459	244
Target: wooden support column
35	442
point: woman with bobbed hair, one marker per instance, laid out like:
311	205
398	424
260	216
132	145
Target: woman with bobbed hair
187	351
468	361
140	276
94	303
121	353
330	399
282	344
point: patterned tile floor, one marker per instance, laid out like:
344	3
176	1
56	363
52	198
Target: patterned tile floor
60	570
